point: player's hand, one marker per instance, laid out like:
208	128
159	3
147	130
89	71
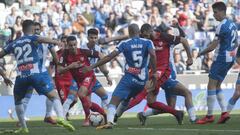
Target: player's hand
189	61
8	82
109	80
86	69
77	64
151	84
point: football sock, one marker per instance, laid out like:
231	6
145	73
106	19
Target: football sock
86	106
231	104
67	103
137	99
96	108
191	113
20	113
211	101
121	108
58	107
163	107
221	100
49	108
111	112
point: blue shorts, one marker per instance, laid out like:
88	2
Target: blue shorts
96	86
168	85
74	86
41	82
128	87
219	70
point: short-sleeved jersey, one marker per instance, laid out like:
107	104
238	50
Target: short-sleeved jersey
43	51
25	50
96	48
65	76
82	56
136	52
226	33
162	43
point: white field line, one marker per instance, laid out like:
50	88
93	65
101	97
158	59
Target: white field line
187	130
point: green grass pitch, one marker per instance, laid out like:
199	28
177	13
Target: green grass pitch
129	125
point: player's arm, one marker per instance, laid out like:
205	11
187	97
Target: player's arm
105	72
54	55
7	81
2	53
105	59
48	41
187	49
115	38
210	47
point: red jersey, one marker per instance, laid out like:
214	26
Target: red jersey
65	76
162	43
82	56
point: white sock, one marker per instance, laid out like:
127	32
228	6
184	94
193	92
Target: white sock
104	104
25	102
49	108
211	101
58	107
66	106
221	100
121	108
191	113
111	112
149	112
231	104
21	113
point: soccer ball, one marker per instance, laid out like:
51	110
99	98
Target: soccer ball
95	119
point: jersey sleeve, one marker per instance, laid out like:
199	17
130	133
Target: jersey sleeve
8	48
90	53
120	47
150	45
171	39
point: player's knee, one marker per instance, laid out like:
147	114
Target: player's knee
104	97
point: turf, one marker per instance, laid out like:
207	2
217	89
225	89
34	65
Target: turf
129	125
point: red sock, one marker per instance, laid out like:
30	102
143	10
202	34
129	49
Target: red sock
162	107
137	99
96	108
86	106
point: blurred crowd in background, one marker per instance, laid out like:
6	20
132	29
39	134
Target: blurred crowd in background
111	17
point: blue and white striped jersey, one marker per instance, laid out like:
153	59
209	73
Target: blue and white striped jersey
226	33
25	50
136	52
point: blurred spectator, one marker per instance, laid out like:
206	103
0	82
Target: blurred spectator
111	21
114	68
80	24
197	61
66	23
36	17
100	17
27	15
11	18
18	25
154	18
180	66
127	15
207	61
89	15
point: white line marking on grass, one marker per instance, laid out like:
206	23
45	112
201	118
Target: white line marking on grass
188	130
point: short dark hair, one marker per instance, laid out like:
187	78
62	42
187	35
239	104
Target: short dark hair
37	24
221	6
63	37
71	38
26	25
92	31
145	27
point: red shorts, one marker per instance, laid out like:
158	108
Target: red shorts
87	82
163	75
63	88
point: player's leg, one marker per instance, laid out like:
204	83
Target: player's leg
232	101
43	85
70	99
20	89
181	90
101	92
